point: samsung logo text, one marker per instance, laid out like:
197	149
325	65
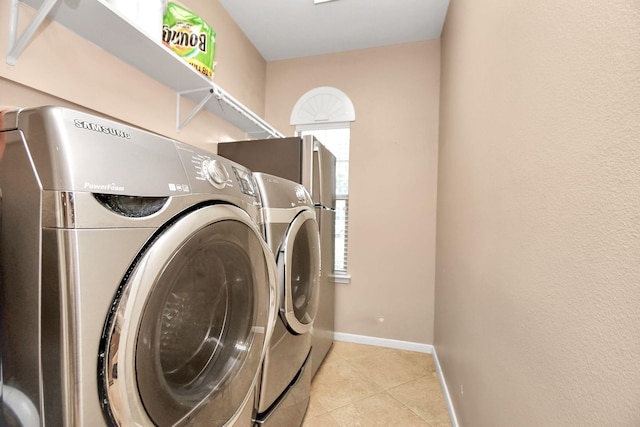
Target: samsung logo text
102	129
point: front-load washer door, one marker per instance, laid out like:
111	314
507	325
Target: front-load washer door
187	333
299	272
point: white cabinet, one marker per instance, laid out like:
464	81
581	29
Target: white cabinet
98	22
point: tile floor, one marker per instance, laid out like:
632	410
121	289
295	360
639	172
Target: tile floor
360	385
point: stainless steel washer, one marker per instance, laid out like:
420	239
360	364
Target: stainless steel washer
292	233
137	288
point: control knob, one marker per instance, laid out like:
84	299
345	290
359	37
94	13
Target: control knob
216	173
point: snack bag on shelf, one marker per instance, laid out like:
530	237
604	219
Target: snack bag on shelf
190	37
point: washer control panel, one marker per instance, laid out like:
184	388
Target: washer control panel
206	170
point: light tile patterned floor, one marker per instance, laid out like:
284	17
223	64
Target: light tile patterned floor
360	385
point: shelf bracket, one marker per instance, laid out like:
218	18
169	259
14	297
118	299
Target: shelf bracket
17	45
181	124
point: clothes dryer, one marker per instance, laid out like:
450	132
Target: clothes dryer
137	288
292	233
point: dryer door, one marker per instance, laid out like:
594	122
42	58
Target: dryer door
299	268
188	328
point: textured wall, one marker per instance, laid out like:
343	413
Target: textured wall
59	66
392	175
538	236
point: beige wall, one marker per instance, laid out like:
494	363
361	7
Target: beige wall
392	179
60	67
538	247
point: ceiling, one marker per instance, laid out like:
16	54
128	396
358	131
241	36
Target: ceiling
284	29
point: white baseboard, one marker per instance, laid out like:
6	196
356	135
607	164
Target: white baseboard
445	390
406	345
383	342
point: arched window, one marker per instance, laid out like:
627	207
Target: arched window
327	113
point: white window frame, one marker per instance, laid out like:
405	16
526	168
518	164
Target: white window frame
340	276
325	108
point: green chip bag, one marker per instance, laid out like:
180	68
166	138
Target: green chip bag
186	34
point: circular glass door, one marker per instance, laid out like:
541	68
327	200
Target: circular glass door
299	264
189	330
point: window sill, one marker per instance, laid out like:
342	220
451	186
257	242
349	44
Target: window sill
341	278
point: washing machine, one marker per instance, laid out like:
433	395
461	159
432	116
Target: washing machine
292	233
137	287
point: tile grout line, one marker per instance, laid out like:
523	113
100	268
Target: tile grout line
406	345
352	362
414	412
385	391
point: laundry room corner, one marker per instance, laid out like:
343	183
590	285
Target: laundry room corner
393	169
